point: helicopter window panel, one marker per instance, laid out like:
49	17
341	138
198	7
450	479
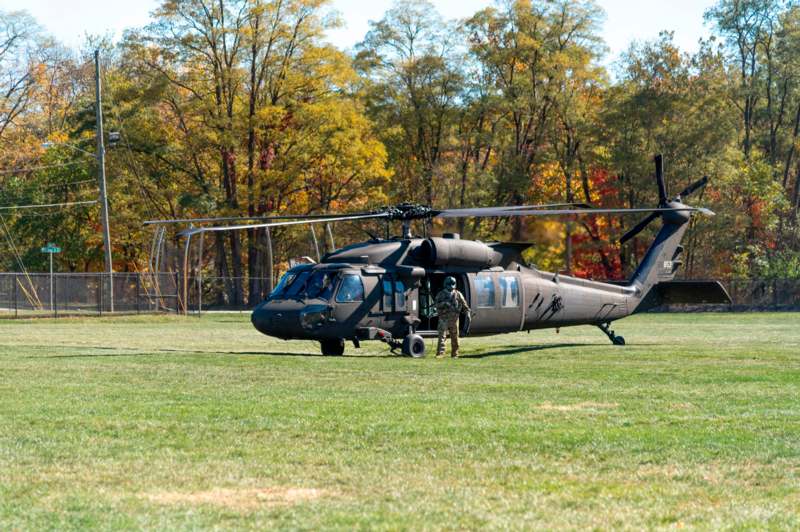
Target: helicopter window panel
509	291
320	285
351	289
484	290
283	284
400	295
426	308
388	295
299	283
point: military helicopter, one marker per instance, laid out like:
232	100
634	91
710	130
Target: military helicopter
383	289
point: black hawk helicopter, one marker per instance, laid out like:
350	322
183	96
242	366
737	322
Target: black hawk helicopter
383	289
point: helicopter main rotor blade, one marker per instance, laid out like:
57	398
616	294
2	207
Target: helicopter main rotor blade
343	218
564	212
501	211
393	214
253	218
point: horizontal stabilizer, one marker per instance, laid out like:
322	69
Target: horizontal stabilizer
685	293
693	293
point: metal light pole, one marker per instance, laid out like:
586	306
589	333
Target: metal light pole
101	169
52	306
51	249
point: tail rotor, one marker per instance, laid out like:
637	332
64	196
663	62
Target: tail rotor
700	183
662	185
663	199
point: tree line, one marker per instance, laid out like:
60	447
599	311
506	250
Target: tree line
242	108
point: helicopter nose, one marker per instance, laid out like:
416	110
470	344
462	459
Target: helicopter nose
275	320
262	319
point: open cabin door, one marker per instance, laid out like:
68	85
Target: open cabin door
429	286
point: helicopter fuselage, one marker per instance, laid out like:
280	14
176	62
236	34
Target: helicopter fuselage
384	289
366	290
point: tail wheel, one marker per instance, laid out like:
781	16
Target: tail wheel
414	346
333	347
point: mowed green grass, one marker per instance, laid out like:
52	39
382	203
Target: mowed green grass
187	423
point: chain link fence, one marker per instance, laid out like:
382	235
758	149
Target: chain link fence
40	294
76	294
750	295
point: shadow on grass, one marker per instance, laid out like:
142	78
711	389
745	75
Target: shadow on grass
165	351
515	350
505	351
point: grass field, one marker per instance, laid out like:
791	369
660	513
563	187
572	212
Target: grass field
186	423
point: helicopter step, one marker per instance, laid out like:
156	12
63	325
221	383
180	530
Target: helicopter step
606	328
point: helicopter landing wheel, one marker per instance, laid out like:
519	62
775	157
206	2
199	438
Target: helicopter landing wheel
616	340
332	347
414	346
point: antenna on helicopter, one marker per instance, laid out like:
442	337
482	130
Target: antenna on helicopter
407	230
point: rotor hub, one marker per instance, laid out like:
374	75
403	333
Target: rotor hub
676	217
408	211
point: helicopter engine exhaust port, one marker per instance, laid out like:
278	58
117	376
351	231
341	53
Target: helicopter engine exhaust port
454	252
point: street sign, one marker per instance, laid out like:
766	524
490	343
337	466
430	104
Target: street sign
51	248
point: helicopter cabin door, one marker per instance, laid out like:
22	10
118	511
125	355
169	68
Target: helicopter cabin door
398	303
496	302
430	285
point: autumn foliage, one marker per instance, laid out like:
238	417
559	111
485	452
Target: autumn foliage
242	108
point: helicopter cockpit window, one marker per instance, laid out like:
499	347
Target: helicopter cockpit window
351	289
306	284
320	285
484	290
509	291
283	284
296	286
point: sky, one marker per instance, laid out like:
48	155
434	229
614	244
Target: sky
626	20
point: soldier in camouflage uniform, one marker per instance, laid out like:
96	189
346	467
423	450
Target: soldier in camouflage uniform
450	303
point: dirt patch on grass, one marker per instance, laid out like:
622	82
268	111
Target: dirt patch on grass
577	407
240	499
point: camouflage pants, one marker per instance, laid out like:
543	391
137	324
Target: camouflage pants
448	326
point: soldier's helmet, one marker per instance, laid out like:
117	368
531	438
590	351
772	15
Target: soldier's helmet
450	283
